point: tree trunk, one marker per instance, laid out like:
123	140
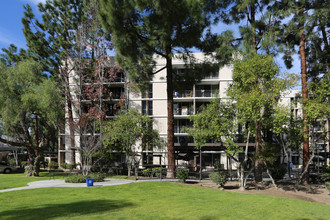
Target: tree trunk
29	171
258	162
304	99
244	163
170	119
71	127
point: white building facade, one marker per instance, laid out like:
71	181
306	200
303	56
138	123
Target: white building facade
186	103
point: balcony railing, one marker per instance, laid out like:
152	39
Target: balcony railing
183	111
187	93
205	93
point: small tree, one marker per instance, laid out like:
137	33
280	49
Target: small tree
125	131
256	89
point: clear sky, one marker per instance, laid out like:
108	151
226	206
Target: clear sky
11	14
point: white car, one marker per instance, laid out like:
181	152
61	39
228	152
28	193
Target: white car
6	168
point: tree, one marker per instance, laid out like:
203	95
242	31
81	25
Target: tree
301	20
124	132
256	89
216	121
143	30
52	43
74	48
257	35
96	72
30	110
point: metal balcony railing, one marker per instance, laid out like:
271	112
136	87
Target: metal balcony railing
205	93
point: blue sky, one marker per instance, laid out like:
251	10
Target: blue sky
11	13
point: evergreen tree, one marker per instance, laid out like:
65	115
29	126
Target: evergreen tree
304	24
143	30
52	43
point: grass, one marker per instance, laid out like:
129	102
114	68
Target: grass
152	200
8	181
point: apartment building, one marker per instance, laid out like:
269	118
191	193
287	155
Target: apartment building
186	102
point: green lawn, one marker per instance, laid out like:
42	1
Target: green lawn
8	181
152	200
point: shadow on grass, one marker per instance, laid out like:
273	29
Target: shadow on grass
49	211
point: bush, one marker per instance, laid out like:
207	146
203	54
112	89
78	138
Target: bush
325	177
182	174
12	162
76	178
23	163
52	165
278	172
64	165
328	185
147	172
70	166
219	178
157	171
98	177
79	178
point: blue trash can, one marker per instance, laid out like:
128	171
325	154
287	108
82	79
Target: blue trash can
89	182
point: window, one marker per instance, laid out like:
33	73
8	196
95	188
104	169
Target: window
147	107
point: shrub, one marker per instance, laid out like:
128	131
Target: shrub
325	177
219	178
12	162
23	163
76	178
182	174
328	185
277	172
70	166
147	172
64	165
52	165
157	171
79	178
98	177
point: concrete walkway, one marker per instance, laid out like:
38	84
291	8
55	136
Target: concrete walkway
62	183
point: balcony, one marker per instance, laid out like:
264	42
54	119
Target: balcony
184	94
206	93
183	111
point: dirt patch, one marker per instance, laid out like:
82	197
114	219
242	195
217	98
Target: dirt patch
311	193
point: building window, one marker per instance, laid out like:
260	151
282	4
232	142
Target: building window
147	107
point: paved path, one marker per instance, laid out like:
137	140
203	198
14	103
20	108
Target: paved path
62	183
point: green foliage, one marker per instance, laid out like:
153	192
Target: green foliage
64	165
159	171
79	178
76	178
168	26
12	162
256	85
126	129
147	172
328	185
215	121
182	174
29	100
325	177
219	178
52	165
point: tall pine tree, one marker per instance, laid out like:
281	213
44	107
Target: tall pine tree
143	29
